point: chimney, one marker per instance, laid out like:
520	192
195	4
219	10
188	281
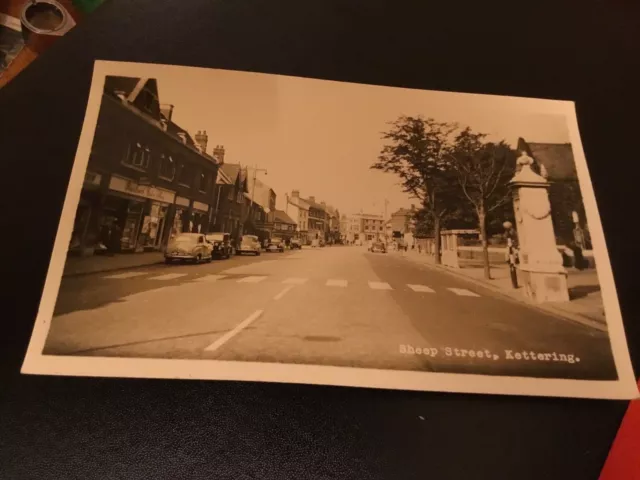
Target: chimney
218	153
324	205
167	111
295	193
201	139
413	207
183	137
312	199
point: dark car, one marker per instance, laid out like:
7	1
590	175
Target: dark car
275	245
221	243
295	244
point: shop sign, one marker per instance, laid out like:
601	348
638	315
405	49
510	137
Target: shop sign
92	179
200	206
182	201
125	185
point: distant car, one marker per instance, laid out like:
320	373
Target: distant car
378	247
249	244
221	243
188	247
275	245
295	244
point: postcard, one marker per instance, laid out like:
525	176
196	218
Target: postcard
231	225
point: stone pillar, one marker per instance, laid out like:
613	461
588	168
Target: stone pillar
543	275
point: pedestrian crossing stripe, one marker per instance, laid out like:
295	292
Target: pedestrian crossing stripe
120	276
421	288
168	276
295	281
251	279
210	278
332	282
463	292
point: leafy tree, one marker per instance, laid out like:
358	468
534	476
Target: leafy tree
483	170
416	150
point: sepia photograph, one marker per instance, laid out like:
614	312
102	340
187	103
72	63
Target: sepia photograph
243	226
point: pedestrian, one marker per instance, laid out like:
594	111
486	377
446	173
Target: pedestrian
114	238
105	237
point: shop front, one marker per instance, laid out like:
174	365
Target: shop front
181	217
84	237
199	217
138	213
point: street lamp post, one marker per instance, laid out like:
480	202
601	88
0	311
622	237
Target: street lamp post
511	235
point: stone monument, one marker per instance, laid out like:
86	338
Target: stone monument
543	275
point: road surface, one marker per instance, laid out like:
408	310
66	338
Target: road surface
338	306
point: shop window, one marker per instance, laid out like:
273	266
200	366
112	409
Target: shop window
138	156
203	182
230	195
186	176
167	167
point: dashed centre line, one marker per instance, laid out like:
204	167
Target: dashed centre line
283	292
336	283
232	333
379	286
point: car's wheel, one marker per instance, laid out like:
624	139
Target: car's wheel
167	261
257	254
198	259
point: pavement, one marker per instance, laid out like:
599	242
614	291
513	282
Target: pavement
585	305
105	263
335	306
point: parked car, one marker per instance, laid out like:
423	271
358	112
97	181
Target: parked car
221	243
249	244
275	245
189	247
378	247
295	244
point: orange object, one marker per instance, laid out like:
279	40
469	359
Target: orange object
623	462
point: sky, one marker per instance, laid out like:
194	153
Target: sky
321	137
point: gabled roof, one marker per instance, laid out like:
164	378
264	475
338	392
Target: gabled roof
404	212
282	217
231	170
125	85
557	158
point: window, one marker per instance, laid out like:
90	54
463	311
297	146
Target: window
186	176
203	183
167	167
230	194
137	157
240	196
276	226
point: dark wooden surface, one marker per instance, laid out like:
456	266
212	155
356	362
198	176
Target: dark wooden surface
86	428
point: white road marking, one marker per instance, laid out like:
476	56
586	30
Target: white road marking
336	283
126	275
229	335
295	281
252	279
463	292
283	292
210	278
421	288
379	286
168	276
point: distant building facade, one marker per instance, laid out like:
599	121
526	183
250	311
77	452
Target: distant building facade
298	209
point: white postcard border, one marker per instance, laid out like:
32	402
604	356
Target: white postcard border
37	363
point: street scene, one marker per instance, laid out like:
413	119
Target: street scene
399	233
339	305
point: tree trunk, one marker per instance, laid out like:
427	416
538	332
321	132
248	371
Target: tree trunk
482	223
436	233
